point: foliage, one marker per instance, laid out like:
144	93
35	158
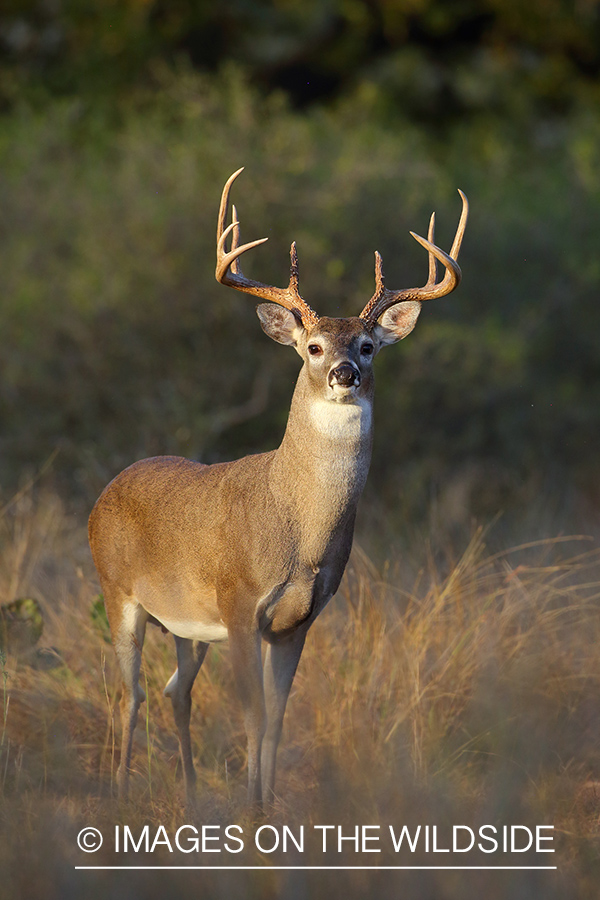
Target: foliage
465	696
99	618
433	59
21	623
445	686
119	344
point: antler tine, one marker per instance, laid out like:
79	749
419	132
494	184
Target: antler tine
294	275
383	298
228	270
225	259
462	224
235	240
432	278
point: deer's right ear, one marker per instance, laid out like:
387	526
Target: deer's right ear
279	323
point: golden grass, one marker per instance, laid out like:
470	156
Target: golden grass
469	696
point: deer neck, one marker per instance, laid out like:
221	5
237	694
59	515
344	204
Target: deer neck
324	458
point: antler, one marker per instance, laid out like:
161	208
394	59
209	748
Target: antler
228	269
382	299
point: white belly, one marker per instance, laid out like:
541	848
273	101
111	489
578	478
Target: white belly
195	631
185	607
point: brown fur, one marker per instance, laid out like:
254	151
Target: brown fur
252	549
255	547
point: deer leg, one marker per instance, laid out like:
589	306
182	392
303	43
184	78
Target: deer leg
190	656
281	662
247	667
128	642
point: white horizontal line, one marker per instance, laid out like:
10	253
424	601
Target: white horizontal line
319	868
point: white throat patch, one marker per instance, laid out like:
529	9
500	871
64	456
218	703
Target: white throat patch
341	421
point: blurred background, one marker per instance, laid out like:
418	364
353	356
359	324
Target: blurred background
452	680
121	119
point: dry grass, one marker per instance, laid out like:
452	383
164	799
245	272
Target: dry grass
468	697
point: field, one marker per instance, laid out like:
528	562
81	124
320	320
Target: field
462	694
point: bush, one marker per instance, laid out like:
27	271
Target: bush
118	343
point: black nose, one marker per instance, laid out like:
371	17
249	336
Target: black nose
345	374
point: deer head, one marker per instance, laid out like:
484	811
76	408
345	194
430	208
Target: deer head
389	316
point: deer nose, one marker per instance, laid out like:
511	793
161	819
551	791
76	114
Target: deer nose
345	374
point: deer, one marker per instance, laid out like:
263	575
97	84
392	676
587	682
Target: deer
254	549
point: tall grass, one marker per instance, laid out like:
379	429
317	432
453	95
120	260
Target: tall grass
5	696
466	695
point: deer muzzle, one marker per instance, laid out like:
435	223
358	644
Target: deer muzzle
346	375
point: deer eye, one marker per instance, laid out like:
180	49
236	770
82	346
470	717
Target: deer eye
367	349
315	350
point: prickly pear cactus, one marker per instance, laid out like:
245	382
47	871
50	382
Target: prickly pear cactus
21	624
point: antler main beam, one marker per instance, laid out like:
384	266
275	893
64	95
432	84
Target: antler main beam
228	270
383	298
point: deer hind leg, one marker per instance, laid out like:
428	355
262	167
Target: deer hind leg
190	656
281	662
128	639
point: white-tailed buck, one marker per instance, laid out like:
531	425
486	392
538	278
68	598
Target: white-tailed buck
253	550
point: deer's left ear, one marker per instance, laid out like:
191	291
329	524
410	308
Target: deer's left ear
279	323
397	322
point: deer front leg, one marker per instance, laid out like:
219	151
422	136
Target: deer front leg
190	656
281	662
247	667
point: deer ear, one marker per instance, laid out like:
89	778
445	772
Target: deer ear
279	323
397	322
